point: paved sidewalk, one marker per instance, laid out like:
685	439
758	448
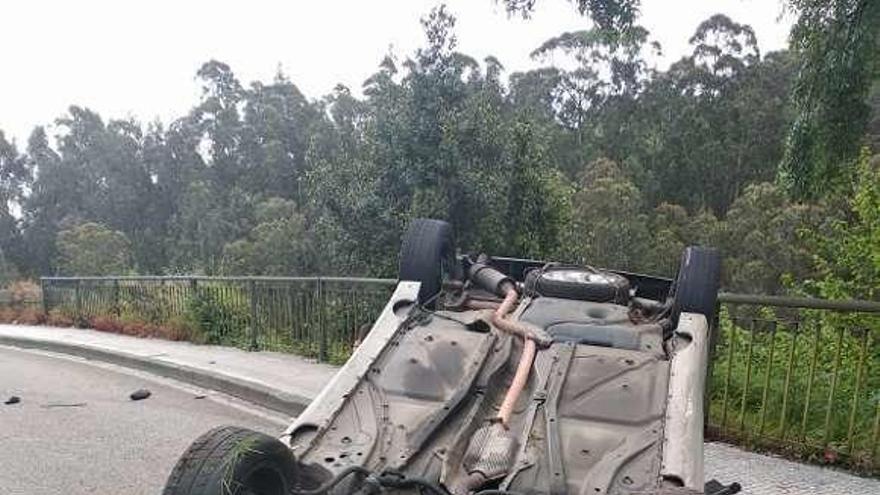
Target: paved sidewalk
767	475
288	382
292	381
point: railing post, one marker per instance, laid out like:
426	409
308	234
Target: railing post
116	309
322	327
252	294
44	295
77	303
714	329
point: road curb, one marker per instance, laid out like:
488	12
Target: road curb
256	393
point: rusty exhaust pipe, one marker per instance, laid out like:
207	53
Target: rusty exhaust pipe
523	369
481	304
488	278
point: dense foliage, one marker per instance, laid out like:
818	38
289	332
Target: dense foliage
598	158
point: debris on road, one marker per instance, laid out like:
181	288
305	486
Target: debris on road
62	404
13	400
140	394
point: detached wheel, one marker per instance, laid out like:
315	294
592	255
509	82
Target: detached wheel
233	461
696	285
427	255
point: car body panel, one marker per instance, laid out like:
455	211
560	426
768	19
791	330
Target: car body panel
421	393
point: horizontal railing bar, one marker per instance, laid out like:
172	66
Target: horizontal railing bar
723	297
801	302
184	278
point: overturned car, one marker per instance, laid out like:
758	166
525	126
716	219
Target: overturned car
497	376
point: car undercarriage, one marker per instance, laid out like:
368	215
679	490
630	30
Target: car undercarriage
503	376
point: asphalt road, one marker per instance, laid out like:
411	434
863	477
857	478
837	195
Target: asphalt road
76	431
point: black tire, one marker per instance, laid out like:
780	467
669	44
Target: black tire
229	460
696	285
427	255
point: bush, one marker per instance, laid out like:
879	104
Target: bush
59	318
21	315
105	324
24	291
93	249
219	318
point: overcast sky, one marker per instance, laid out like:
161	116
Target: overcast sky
125	58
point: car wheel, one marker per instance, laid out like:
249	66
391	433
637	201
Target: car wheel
233	461
696	285
427	255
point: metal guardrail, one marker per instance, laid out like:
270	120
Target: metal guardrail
800	376
320	317
800	302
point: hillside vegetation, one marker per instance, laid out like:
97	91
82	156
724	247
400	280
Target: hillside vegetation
609	161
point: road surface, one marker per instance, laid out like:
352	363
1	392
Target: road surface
76	431
111	445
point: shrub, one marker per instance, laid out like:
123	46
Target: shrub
178	329
7	314
24	291
59	318
105	324
30	316
21	315
93	249
219	319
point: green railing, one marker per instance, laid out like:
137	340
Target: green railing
791	375
798	376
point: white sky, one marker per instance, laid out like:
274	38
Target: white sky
126	58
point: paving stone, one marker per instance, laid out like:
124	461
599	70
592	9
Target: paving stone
766	475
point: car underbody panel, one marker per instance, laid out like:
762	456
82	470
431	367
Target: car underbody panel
421	397
503	376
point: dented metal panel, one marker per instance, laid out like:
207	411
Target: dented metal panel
421	397
683	443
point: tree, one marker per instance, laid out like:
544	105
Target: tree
8	273
206	220
14	177
539	199
603	160
847	258
722	49
277	245
607	14
714	120
275	131
92	249
763	241
838	47
610	228
672	230
51	198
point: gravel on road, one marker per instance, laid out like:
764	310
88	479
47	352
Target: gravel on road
77	431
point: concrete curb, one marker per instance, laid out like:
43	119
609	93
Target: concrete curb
256	393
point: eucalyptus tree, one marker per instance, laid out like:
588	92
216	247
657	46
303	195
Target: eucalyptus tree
607	14
838	48
15	177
